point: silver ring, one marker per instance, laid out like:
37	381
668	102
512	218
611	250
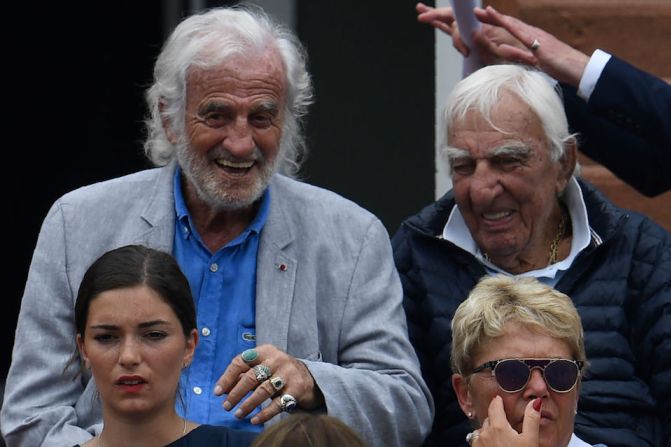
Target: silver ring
288	403
277	382
535	45
261	372
470	437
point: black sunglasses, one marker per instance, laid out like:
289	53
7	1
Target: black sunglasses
512	375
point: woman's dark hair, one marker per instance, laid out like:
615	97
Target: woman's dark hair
136	265
315	430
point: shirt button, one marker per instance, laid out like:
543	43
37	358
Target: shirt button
205	331
198	390
214	267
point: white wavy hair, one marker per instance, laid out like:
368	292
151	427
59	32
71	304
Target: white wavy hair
209	39
482	90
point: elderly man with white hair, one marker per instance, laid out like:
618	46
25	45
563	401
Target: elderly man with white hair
518	208
299	305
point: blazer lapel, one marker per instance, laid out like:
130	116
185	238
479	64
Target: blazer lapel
275	276
159	213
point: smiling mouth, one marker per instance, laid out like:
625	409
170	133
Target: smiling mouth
496	216
235	168
234	164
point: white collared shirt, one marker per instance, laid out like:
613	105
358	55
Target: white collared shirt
577	442
457	232
590	76
592	73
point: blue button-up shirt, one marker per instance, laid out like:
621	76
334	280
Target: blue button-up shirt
224	291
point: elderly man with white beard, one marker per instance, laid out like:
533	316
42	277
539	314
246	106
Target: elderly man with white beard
299	304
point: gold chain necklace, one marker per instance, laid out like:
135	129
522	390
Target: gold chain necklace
100	437
554	246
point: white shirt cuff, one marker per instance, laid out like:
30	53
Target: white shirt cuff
592	73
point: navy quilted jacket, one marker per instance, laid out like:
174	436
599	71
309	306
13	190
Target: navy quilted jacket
621	287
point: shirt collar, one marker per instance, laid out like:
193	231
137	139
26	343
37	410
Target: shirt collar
184	217
180	203
456	231
577	442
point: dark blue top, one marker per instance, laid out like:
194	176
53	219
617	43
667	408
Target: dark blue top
213	436
626	125
621	287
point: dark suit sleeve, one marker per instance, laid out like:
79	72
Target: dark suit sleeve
626	125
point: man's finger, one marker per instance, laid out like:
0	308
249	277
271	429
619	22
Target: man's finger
458	42
511	53
262	392
523	32
231	376
272	410
443	14
243	386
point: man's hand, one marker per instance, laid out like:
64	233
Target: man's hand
559	60
503	38
294	379
487	40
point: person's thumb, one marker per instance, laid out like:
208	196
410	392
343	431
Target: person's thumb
532	421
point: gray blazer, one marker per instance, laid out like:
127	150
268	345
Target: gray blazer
337	306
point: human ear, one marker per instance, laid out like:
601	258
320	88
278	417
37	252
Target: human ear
167	124
460	385
82	351
567	164
191	343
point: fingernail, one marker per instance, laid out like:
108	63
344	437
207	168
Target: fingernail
227	406
254	420
217	390
537	404
238	414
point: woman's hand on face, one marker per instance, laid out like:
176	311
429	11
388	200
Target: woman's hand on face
497	432
240	378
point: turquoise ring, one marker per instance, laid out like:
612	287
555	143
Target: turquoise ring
249	355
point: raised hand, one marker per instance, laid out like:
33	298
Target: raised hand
559	60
